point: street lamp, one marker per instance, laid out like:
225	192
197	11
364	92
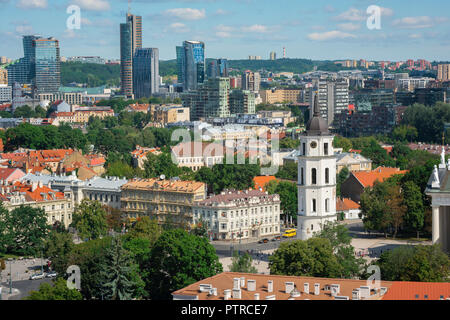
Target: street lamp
10	276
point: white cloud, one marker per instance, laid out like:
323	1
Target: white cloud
186	13
330	35
93	5
223	31
178	27
32	4
418	22
351	14
349	26
256	28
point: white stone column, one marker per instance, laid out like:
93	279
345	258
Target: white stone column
435	225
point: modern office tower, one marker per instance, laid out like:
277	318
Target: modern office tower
273	55
130	40
23	70
5	93
210	100
145	72
333	97
251	81
443	72
48	65
242	101
217	68
191	64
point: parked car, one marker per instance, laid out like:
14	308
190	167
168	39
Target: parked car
265	240
37	276
52	274
277	238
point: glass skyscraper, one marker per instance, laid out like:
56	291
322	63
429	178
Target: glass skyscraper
145	72
130	40
40	66
191	64
48	65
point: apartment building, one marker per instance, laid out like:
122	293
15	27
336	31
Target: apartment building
281	95
170	114
285	117
196	155
81	115
169	201
239	214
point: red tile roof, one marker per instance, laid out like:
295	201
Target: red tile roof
262	181
367	179
346	204
418	290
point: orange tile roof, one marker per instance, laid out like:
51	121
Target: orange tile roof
346	204
418	290
262	181
224	281
164	185
367	179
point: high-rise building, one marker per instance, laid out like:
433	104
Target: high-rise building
217	68
23	70
210	100
333	97
130	40
191	64
48	65
273	55
316	176
443	72
145	72
242	102
251	81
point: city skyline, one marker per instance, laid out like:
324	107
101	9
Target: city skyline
317	31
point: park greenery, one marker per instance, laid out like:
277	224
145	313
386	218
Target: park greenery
242	263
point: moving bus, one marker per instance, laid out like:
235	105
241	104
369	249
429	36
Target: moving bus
290	233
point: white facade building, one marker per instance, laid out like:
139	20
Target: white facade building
5	93
316	177
235	215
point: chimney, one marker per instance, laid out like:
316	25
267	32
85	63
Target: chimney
256	296
270	286
306	288
335	288
316	289
226	294
271	297
365	292
295	293
214	292
383	291
237	294
236	283
289	287
356	294
242	282
251	285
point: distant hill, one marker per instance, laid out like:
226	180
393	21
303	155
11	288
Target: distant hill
95	75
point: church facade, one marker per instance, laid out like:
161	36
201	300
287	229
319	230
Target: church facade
316	177
438	188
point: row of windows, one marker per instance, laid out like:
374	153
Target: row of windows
105	197
314	176
238	213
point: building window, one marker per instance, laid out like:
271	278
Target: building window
314	176
304	149
301	177
327	175
326	149
327	205
313	205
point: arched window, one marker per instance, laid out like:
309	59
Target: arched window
314	176
326	149
301	177
314	205
327	205
327	175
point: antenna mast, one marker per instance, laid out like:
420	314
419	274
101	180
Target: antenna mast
129	6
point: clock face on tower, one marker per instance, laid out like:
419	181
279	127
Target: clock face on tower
313	144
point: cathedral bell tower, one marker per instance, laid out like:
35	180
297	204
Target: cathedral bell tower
316	176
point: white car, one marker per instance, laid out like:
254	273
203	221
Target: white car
51	275
37	276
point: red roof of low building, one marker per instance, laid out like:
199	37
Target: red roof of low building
346	204
380	174
418	291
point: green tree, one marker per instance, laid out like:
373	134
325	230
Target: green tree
57	291
117	273
289	171
288	195
90	220
57	248
415	263
242	263
145	228
415	213
341	240
342	176
341	142
155	166
177	260
29	230
313	257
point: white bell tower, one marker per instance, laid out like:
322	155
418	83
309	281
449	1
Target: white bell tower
316	177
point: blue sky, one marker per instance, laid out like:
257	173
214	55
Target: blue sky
235	29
